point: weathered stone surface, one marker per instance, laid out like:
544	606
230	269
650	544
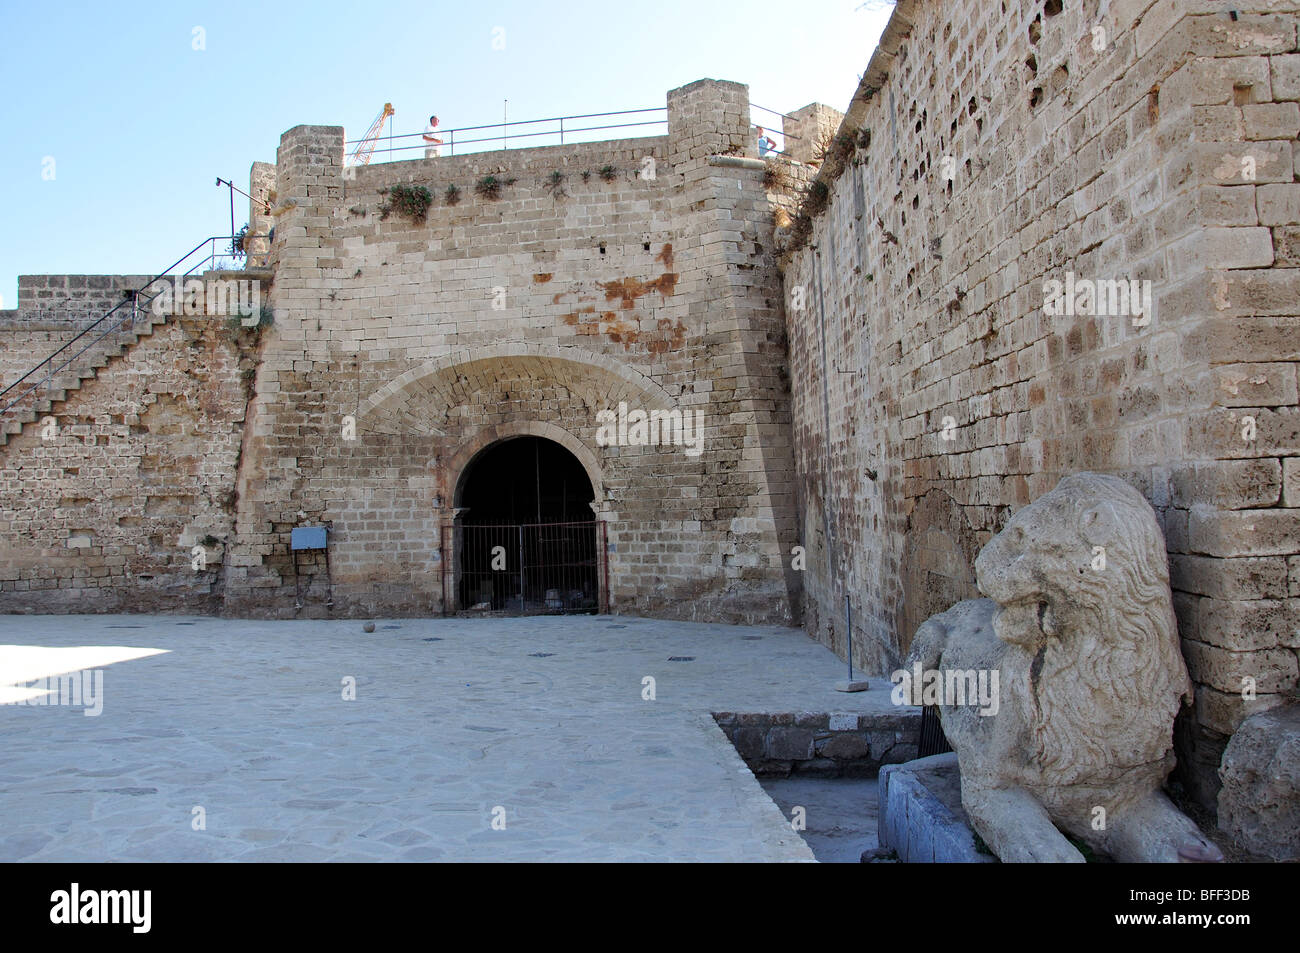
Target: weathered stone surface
921	817
1259	803
748	742
1080	627
956	397
789	744
845	747
522	313
826	744
810	719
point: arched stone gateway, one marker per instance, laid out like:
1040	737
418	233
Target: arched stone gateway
650	349
459	465
524	536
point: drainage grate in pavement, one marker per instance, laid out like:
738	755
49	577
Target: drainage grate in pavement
390	626
616	627
751	638
540	654
125	627
185	623
681	658
434	639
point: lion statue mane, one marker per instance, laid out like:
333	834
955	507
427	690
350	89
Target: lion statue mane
1079	625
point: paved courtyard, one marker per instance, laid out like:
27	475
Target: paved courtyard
241	728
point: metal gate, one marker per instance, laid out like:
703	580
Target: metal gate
932	739
525	568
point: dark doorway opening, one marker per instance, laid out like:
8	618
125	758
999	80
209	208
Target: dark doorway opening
525	539
525	480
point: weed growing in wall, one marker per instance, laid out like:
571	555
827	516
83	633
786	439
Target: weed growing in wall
490	186
412	201
265	319
776	178
554	184
836	153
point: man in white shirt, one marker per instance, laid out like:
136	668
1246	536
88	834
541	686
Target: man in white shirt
431	151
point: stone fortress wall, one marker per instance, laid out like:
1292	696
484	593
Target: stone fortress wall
880	380
637	271
1011	144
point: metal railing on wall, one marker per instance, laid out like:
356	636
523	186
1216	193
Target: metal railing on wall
467	139
776	133
559	130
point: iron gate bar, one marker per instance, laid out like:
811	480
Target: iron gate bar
931	739
549	568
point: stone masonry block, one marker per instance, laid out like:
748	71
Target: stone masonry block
789	744
1263	532
1271	670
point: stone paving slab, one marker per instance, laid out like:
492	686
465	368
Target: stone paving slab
543	717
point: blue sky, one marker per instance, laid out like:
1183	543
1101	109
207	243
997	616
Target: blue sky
139	123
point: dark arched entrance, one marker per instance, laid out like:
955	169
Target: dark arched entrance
525	538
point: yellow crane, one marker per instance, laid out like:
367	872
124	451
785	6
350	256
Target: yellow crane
366	147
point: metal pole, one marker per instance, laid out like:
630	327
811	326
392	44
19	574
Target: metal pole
604	546
521	567
505	115
848	616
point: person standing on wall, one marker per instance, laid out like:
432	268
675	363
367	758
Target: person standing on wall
431	151
765	145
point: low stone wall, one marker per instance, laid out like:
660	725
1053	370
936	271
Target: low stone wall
921	817
821	744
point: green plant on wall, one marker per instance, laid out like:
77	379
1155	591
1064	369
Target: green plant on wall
412	201
452	195
554	184
817	197
490	186
607	172
265	319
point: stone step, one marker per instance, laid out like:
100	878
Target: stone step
115	345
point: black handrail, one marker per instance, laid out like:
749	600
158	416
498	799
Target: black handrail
133	298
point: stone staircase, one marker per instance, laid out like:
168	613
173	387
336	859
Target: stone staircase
43	400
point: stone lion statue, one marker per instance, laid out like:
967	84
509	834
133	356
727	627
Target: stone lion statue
1079	624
